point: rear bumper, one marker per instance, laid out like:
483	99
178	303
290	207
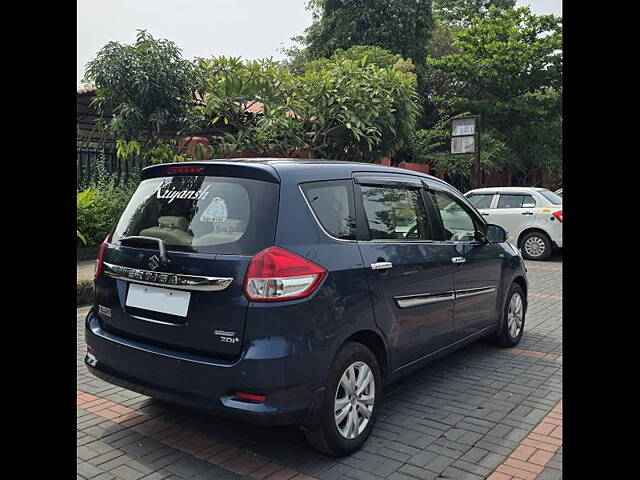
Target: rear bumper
200	382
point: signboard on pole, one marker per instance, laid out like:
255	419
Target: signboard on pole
464	135
465	138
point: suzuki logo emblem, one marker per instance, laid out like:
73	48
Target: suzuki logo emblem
154	262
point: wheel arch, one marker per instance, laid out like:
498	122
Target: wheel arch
520	280
374	342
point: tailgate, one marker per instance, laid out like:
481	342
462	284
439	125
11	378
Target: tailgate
215	313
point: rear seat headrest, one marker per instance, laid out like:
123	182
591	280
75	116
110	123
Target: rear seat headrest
180	223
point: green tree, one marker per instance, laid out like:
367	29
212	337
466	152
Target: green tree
400	26
461	12
146	89
507	66
352	110
338	108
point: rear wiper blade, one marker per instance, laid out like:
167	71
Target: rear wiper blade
161	246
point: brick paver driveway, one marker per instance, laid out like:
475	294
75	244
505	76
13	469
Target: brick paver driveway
482	412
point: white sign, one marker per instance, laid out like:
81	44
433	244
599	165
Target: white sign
463	144
463	126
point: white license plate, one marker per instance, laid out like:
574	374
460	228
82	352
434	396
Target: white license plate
163	300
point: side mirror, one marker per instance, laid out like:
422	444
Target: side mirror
495	234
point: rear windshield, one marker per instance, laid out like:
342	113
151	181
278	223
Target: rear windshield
552	197
234	216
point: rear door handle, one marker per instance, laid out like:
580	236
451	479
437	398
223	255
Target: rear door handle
526	213
458	259
381	265
485	214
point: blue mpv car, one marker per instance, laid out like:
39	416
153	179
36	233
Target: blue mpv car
289	292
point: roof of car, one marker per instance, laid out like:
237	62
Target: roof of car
505	189
285	166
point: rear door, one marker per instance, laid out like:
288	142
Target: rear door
515	212
410	276
193	300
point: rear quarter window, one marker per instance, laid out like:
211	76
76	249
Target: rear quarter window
203	214
332	204
552	197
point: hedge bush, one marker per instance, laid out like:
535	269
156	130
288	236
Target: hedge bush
100	205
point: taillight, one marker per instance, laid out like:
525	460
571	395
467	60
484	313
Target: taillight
558	215
276	274
100	254
185	169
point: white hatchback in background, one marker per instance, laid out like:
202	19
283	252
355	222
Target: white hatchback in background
531	216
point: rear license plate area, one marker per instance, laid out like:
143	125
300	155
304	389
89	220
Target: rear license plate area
160	300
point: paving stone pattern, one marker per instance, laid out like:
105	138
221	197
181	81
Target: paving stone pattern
482	412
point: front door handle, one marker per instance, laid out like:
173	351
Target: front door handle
458	259
381	265
485	214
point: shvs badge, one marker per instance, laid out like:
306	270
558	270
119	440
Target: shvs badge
226	337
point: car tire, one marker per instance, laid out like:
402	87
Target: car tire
333	434
536	246
513	316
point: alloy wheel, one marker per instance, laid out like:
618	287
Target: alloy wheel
515	315
354	400
534	246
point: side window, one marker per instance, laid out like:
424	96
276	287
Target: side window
395	213
481	200
332	204
457	223
528	201
516	201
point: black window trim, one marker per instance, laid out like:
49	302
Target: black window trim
352	202
363	233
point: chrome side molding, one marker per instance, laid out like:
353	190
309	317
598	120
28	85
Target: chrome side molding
429	298
172	280
472	292
423	299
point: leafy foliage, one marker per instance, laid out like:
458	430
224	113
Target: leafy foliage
432	146
462	12
399	26
146	88
507	66
356	111
507	53
100	205
338	108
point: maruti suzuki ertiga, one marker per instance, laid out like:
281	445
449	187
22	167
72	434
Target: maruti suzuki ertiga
289	292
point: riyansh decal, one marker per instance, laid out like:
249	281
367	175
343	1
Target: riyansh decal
172	194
